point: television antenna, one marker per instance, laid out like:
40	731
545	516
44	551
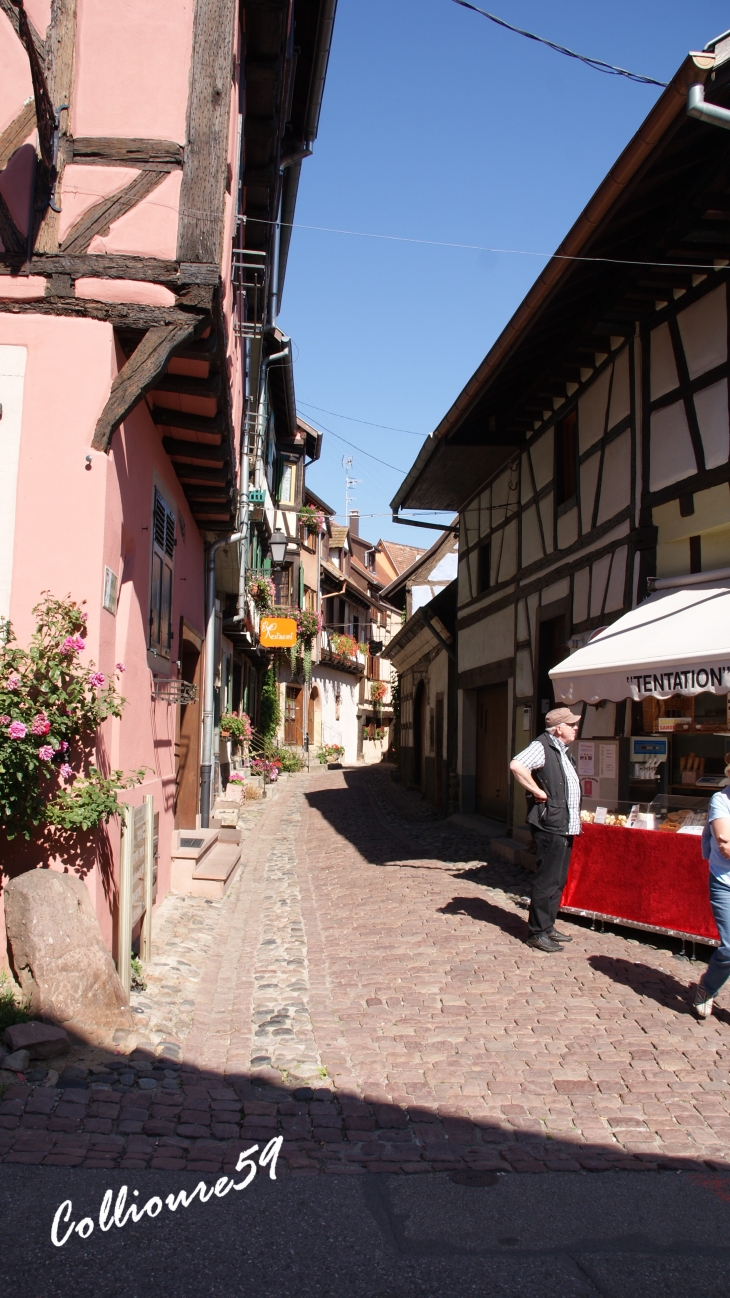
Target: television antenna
349	484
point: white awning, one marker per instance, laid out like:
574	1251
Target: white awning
676	642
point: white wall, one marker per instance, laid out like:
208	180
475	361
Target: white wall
344	730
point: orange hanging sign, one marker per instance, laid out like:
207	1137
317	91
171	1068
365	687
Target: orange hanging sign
278	632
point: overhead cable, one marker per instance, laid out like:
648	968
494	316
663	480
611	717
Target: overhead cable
597	64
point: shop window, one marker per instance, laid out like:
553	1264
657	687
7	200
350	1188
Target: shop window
566	458
484	565
163	550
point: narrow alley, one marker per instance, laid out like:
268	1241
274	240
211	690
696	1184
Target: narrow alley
364	990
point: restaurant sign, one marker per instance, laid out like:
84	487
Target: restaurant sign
278	632
697	679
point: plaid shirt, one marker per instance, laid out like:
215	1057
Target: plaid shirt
533	757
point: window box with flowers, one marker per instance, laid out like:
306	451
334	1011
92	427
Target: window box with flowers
237	729
262	592
312	520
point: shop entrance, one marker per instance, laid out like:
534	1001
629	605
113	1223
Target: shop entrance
293	729
492	782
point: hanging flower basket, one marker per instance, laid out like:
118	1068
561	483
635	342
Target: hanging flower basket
236	727
262	592
378	691
312	520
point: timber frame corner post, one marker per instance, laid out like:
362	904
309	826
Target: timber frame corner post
140	373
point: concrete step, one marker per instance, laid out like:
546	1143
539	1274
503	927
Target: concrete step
512	850
212	876
189	848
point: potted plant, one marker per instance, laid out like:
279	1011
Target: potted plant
309	625
378	691
343	645
236	727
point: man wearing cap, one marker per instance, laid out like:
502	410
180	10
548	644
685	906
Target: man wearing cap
553	797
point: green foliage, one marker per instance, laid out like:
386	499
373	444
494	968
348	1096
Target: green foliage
51	706
237	728
289	761
10	1011
89	801
139	983
270	706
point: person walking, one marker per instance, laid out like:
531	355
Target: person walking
716	850
546	769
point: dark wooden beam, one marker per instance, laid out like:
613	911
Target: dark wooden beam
193	475
123	315
137	376
14	134
60	61
99	218
186	386
194	452
214	426
202	196
120	266
110	151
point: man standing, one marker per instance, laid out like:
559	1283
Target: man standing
554	817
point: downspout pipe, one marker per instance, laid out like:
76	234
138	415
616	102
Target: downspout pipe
703	112
206	765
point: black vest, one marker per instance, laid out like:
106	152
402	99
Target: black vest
552	816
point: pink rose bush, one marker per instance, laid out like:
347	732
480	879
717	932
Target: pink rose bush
47	694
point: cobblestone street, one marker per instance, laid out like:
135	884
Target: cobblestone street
365	990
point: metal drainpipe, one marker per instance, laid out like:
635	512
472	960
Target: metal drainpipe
206	765
710	113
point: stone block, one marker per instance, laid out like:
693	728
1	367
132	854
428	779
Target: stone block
17	1062
58	953
41	1040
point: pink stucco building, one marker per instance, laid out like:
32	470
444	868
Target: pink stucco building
139	253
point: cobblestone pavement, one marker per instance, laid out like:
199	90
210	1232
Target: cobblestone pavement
364	990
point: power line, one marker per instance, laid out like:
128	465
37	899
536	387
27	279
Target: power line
480	247
597	64
360	451
367	422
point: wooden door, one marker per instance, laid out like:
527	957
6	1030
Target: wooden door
187	739
492	763
293	728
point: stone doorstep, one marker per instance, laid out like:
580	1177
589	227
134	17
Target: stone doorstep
511	850
212	875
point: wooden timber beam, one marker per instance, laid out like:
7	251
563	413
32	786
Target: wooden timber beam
202	195
99	218
61	63
197	476
137	377
195	452
113	151
14	134
186	386
123	315
214	426
120	266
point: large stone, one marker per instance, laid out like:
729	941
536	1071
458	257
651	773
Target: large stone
58	953
41	1040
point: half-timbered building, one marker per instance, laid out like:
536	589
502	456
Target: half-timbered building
590	452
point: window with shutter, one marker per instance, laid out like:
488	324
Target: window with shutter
163	552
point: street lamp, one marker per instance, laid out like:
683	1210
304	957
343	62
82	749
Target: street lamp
277	545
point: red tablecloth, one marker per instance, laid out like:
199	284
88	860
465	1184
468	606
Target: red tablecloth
651	877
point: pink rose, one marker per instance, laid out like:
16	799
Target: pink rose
66	771
63	746
72	644
17	730
120	667
4	721
13	682
45	752
40	725
97	679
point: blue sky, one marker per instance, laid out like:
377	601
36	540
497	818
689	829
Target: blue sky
438	125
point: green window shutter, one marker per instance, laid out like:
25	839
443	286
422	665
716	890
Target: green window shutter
301	585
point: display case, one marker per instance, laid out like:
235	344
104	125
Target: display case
667	813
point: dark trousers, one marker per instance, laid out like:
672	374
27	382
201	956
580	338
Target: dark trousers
553	858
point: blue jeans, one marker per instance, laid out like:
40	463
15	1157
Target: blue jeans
718	970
